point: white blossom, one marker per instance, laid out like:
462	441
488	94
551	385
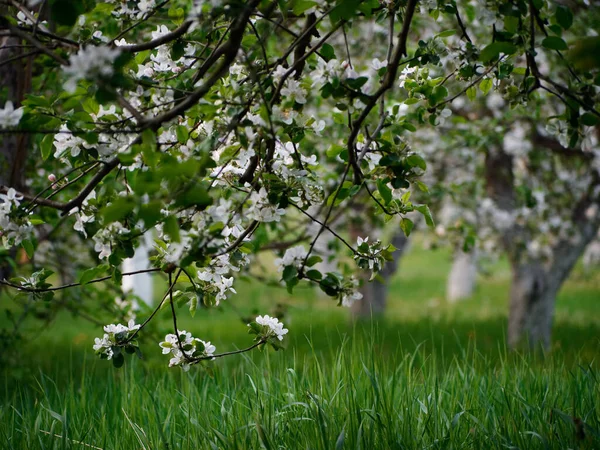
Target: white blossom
261	209
90	62
185	349
350	293
272	327
114	336
294	91
293	256
9	116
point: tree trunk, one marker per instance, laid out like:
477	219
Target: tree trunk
140	285
375	293
591	257
535	286
15	78
532	299
461	280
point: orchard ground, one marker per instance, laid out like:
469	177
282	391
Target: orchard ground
428	375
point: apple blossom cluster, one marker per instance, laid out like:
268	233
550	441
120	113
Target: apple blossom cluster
261	209
107	237
15	224
214	280
293	256
124	10
85	214
370	256
185	349
90	63
269	328
115	337
332	71
350	292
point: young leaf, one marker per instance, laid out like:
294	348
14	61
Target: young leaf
554	43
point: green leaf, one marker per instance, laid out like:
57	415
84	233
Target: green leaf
314	274
182	134
472	93
511	24
196	195
344	10
150	213
422	186
424	210
46	146
312	260
36	220
334	150
29	248
118	360
118	209
407	226
585	54
589	119
446	33
302	5
289	273
327	52
492	51
194	300
438	94
485	85
554	43
171	227
416	161
66	12
91	274
564	17
176	14
384	191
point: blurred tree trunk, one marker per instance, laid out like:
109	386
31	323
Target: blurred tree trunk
462	277
591	257
531	306
15	79
375	293
140	285
535	284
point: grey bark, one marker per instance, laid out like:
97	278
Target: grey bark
462	277
375	293
591	256
535	284
532	301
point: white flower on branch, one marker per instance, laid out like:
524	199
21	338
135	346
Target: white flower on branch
272	327
185	348
114	336
293	91
9	116
350	293
261	209
293	256
90	63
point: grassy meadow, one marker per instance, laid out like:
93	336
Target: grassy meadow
428	375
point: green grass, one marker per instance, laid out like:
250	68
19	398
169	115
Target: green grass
431	375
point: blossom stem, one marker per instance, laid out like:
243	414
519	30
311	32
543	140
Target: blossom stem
66	286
